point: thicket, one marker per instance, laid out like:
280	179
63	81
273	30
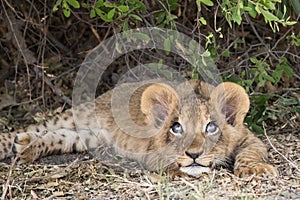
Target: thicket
255	43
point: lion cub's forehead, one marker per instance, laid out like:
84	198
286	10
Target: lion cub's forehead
195	110
204	113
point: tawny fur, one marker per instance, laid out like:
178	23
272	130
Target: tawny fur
213	134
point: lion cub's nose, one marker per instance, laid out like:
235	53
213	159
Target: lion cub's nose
193	155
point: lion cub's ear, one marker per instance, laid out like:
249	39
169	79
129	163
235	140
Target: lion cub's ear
232	101
158	102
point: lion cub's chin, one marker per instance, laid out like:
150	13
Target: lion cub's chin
194	170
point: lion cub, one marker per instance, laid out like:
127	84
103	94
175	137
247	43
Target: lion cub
191	128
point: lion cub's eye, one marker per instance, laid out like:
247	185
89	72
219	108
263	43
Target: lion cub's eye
211	128
176	128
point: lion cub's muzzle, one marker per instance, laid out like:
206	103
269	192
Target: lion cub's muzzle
190	164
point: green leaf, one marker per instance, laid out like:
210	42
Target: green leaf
66	9
288	101
261	82
269	16
137	5
268	77
92	13
104	18
125	26
206	53
209	74
269	5
55	8
271	115
202	20
141	36
207	2
160	63
226	53
99	12
109	5
86	5
252	12
123	8
253	60
102	15
247	8
173	5
74	3
99	4
284	67
136	17
277	74
161	17
195	75
260	100
57	3
289	72
111	13
152	66
171	17
167	45
295	39
290	23
257	129
236	16
296	6
228	19
167	74
296	109
198	2
67	12
248	82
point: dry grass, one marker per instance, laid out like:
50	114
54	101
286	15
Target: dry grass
83	177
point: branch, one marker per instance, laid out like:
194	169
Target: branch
284	157
54	88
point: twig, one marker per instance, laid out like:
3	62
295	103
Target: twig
6	186
284	157
65	73
54	88
20	44
283	37
260	39
148	6
53	174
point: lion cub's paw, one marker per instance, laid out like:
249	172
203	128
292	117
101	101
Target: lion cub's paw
26	147
258	169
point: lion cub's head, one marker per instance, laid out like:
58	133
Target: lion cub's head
191	123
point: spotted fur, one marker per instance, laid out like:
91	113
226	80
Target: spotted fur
177	129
